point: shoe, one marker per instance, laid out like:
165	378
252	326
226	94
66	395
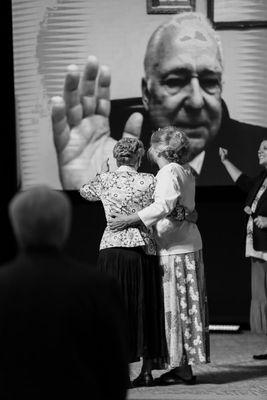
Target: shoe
171	378
260	357
145	379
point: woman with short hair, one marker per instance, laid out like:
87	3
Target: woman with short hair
180	249
130	255
256	239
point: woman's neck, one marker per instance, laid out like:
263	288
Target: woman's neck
162	162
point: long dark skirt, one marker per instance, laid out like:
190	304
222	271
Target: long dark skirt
140	280
258	308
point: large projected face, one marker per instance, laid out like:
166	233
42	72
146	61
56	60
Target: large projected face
183	88
185	85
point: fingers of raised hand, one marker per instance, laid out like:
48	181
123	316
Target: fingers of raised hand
133	126
89	95
74	110
88	86
59	122
103	91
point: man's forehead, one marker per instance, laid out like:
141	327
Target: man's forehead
194	32
193	43
191	37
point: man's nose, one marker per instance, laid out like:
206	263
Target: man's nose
194	97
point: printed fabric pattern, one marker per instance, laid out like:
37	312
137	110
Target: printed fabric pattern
124	191
186	309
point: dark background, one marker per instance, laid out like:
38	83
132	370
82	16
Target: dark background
221	218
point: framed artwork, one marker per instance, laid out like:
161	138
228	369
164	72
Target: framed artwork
237	14
169	6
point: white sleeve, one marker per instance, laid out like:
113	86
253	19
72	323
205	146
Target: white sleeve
167	192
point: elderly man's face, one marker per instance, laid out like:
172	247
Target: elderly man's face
184	87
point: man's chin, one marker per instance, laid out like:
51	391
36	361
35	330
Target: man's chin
197	145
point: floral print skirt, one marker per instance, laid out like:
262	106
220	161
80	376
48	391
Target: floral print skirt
186	311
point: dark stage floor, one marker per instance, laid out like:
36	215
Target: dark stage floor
232	373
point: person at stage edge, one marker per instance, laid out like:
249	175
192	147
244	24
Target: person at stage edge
256	238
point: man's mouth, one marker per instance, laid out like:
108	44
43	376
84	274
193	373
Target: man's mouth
194	132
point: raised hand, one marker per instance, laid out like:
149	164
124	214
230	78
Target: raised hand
223	153
80	121
261	222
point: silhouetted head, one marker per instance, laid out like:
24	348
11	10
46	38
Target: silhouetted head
129	151
40	217
183	78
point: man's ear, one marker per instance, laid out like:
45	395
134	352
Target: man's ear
145	93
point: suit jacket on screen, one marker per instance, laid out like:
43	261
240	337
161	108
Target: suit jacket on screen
242	141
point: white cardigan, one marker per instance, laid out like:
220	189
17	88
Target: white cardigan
175	185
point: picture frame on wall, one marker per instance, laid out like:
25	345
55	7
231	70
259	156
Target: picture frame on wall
237	14
169	6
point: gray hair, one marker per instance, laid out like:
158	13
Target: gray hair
128	150
195	19
40	216
172	144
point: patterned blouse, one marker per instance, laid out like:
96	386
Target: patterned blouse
250	252
124	191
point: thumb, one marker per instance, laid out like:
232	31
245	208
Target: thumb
133	126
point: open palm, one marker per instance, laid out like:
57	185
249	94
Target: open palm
80	121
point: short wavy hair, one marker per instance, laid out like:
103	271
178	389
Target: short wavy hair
127	151
172	144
